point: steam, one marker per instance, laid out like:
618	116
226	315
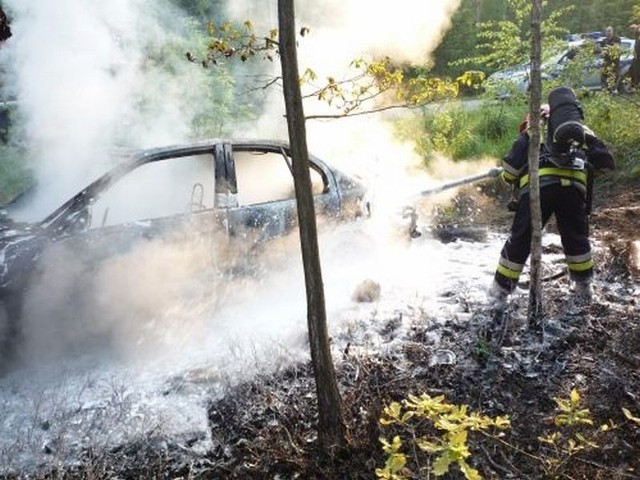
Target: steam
86	77
341	32
85	80
407	31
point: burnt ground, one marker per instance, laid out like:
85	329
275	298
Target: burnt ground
501	368
266	428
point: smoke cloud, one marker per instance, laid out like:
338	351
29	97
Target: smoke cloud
408	30
341	32
86	77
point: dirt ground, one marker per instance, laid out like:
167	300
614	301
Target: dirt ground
266	429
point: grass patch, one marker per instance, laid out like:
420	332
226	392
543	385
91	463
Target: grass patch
463	131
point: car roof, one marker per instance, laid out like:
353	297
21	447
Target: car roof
129	158
204	143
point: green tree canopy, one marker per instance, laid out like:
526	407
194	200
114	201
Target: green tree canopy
480	25
506	42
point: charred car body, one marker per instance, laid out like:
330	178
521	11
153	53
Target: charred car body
234	191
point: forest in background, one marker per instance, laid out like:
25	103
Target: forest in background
460	39
590	15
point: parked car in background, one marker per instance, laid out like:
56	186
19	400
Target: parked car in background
517	78
217	192
591	71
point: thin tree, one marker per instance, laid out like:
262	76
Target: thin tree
331	428
535	289
371	81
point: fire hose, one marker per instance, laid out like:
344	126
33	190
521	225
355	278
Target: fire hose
492	172
409	212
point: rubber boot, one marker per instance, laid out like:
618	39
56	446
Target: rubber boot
498	296
583	292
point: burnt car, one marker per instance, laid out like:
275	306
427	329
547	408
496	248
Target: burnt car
216	192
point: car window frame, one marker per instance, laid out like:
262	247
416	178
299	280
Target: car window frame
58	221
280	149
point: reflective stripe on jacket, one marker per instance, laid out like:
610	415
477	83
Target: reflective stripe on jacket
564	176
515	164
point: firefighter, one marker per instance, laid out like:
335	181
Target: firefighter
563	192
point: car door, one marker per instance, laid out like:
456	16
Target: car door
166	197
261	182
136	245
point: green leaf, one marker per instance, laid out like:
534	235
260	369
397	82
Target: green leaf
427	446
550	439
383	473
563	404
441	465
502	422
575	397
407	416
393	410
396	462
391	447
469	472
586	441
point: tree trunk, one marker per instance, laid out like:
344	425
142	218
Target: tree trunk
331	429
535	312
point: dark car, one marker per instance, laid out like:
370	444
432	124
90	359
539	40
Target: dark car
222	192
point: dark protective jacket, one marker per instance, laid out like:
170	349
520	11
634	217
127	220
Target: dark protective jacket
596	155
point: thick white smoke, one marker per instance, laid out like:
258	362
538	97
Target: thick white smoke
407	30
84	82
85	77
340	32
343	31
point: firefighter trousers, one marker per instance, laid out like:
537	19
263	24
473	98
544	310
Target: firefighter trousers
569	206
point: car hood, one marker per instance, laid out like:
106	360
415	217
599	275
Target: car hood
10	228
